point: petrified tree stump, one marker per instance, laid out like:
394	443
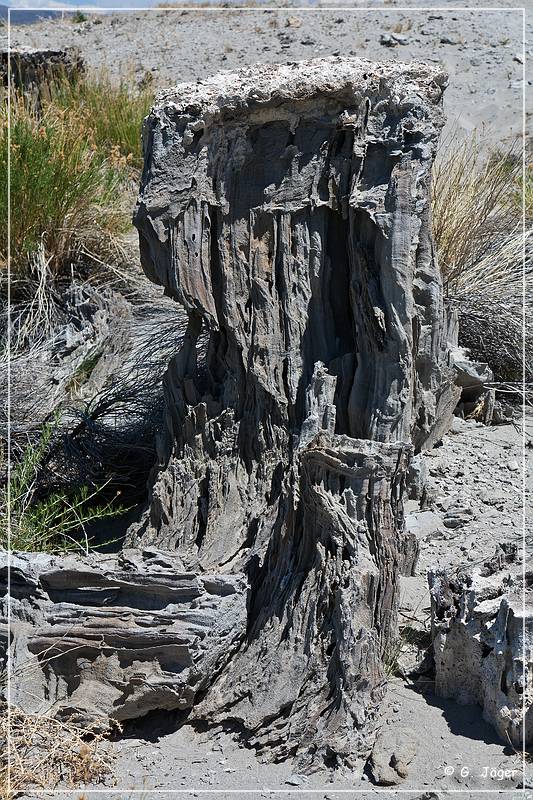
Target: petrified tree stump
286	208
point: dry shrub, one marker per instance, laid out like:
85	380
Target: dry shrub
106	436
474	205
528	193
45	752
477	224
491	303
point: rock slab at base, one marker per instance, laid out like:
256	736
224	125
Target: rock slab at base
115	637
393	751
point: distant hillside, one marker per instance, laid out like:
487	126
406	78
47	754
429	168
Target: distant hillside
24	16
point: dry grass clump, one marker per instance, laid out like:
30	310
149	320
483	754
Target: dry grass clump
489	296
94	464
474	205
477	224
113	114
44	752
528	193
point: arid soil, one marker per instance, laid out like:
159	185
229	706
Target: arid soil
476	468
481	50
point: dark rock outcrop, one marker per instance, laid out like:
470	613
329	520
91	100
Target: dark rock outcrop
34	71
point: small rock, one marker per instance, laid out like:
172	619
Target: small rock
470	374
392	753
387	40
513	466
455	521
400	38
518	58
417	477
296	780
458	425
447	40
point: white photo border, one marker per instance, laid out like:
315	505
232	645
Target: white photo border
258	9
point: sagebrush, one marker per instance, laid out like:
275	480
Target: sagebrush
62	189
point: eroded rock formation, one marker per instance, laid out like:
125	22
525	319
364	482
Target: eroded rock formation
287	210
482	631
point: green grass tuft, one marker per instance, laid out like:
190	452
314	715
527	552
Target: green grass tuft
72	164
48	522
113	115
61	186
